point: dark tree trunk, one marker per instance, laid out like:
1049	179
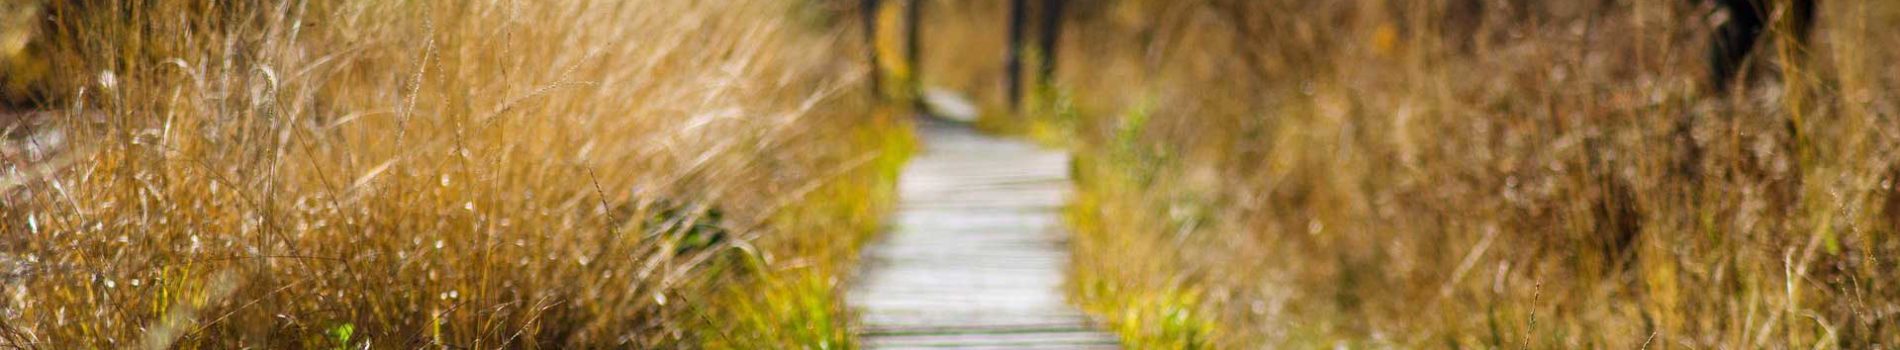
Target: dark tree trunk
1051	35
1734	40
1014	65
868	14
1745	29
913	47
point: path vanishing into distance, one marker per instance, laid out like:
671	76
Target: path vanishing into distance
976	253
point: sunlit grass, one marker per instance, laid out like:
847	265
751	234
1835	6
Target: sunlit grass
505	174
1534	175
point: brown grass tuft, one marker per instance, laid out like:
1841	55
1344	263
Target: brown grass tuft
1517	174
482	174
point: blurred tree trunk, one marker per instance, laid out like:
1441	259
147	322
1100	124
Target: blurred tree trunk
1046	45
1051	35
867	13
913	49
1746	28
1014	66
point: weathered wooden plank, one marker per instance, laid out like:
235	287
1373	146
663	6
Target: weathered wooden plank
975	256
999	339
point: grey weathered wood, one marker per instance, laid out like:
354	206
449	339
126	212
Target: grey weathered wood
975	256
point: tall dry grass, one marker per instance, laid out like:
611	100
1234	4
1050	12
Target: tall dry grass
1516	174
473	174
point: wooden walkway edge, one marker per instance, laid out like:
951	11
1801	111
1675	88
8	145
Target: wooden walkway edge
976	255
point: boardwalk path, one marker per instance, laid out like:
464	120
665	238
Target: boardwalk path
976	258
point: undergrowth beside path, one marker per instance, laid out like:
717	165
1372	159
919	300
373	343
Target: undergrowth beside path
461	174
1470	174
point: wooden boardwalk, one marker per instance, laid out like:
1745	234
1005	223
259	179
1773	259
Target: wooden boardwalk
976	256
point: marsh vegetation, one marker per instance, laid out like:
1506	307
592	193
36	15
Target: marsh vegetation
700	174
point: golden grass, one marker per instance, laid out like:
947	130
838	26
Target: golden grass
1544	175
459	174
